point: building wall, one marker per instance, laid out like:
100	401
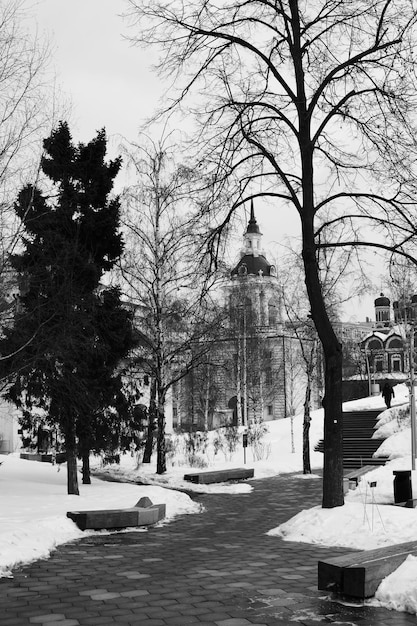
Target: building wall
9	424
275	383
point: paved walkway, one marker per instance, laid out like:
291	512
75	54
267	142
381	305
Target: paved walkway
214	569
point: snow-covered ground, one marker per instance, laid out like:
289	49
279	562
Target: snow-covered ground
34	502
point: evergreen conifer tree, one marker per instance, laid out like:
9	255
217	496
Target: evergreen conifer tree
68	336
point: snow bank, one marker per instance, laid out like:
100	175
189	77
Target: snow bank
34	505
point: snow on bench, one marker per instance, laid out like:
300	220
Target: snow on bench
359	574
142	514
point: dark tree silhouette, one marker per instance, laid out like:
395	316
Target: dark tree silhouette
68	334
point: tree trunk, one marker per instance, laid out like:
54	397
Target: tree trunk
333	432
71	451
332	350
306	428
86	467
238	385
207	400
161	466
147	453
245	372
332	402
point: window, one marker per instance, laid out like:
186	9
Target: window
272	314
378	364
268	376
395	343
374	344
396	363
270	409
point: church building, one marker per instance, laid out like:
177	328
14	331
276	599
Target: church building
386	347
254	370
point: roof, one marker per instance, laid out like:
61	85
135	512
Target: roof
382	301
253	265
377	376
384	337
253	224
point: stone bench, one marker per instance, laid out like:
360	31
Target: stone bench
220	476
359	574
352	478
59	457
142	514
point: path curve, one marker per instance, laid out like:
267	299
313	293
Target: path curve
218	568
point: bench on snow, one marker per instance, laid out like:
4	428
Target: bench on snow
220	476
352	479
359	574
142	514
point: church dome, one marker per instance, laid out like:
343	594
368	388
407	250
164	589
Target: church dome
382	301
253	265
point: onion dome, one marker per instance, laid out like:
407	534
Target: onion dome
382	301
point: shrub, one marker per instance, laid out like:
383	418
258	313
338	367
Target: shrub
256	434
195	447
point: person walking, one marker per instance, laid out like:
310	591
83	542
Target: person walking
387	394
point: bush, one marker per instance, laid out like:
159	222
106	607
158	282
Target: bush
226	440
172	448
195	447
256	434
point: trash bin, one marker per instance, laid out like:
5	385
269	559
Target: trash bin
402	486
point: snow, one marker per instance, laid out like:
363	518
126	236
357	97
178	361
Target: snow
398	591
34	500
34	504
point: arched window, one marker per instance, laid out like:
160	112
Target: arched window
395	343
374	344
272	314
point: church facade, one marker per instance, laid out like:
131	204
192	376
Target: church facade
386	348
254	371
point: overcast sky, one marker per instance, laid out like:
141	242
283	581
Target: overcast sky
110	84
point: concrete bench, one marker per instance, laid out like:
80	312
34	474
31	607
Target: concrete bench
352	478
60	457
359	574
220	476
142	514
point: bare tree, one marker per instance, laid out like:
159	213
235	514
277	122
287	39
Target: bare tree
165	277
311	104
306	358
26	112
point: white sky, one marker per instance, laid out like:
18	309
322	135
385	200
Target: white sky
110	84
109	81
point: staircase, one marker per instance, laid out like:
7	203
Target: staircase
358	445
